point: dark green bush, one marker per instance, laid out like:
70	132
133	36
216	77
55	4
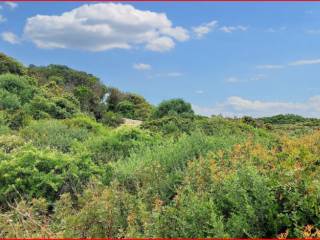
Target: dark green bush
34	173
54	134
10	65
173	107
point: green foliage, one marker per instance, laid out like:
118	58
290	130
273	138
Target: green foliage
171	125
56	107
103	214
119	144
173	107
54	134
9	101
128	105
19	119
284	119
68	169
248	204
34	173
126	109
9	65
111	119
86	88
20	87
189	216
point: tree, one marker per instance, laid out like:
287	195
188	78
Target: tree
126	108
173	107
114	97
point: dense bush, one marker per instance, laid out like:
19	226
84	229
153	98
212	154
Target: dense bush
171	125
119	144
9	65
71	166
54	134
173	107
20	87
111	119
34	173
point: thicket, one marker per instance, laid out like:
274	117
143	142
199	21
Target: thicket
70	168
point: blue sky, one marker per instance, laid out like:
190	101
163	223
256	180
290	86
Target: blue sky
231	58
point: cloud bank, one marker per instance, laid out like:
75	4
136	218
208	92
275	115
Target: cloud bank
104	26
238	106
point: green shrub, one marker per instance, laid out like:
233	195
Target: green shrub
173	107
119	144
34	173
103	214
21	86
126	109
171	125
54	134
9	101
189	216
10	65
111	119
19	119
247	203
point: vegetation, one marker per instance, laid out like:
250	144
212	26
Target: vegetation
69	167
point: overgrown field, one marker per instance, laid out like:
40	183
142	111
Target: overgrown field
69	167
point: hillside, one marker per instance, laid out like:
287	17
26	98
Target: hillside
79	159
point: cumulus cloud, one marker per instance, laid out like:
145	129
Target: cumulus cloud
238	106
205	28
104	26
12	5
305	62
230	29
10	37
141	66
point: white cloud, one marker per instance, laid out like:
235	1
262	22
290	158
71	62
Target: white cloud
305	62
10	37
12	5
1	7
230	29
270	66
104	26
2	19
204	28
141	66
238	106
160	44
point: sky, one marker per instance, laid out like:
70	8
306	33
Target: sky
234	59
